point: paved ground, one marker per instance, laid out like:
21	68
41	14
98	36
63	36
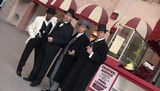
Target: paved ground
11	47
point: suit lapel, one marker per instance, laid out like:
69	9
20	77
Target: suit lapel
97	44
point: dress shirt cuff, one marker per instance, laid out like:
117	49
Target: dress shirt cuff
91	55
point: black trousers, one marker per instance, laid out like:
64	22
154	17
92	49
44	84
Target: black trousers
34	43
41	66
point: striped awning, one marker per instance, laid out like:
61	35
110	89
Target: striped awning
142	27
63	5
154	39
93	13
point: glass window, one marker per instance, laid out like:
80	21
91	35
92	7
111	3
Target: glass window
135	50
119	41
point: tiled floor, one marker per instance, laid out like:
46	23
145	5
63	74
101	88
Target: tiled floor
11	47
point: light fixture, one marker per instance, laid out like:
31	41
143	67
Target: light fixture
130	66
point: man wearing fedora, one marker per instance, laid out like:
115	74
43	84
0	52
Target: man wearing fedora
67	57
38	31
59	36
87	63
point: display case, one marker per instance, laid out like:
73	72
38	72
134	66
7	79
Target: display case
132	53
127	46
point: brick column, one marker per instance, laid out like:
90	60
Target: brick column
31	9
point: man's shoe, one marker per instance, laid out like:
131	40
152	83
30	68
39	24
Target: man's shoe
33	84
27	79
18	72
45	89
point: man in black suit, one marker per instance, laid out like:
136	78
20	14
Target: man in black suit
88	63
68	57
38	31
59	36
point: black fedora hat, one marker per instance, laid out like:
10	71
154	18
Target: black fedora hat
71	11
51	11
102	27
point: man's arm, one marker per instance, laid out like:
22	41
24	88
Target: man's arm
100	55
31	29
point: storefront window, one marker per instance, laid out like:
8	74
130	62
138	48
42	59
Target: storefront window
135	50
127	46
119	41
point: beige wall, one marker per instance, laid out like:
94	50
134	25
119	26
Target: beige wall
17	12
6	9
150	12
144	10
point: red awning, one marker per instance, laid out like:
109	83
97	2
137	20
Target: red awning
93	13
63	5
154	39
138	24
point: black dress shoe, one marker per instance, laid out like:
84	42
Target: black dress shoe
27	79
44	89
18	72
33	84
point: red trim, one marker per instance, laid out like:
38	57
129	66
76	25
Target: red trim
49	1
86	18
156	32
57	4
104	17
38	2
73	5
87	11
154	39
133	23
129	76
149	31
113	82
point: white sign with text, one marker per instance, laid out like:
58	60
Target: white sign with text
103	79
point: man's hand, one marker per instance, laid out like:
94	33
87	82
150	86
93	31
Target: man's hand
71	52
89	49
50	39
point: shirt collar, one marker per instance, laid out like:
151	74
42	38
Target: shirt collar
79	34
99	39
47	22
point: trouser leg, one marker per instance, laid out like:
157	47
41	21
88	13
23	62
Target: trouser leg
44	68
27	51
37	64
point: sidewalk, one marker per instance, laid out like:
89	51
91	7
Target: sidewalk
11	48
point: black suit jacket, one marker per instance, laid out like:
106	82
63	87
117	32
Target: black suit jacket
68	60
61	36
85	68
